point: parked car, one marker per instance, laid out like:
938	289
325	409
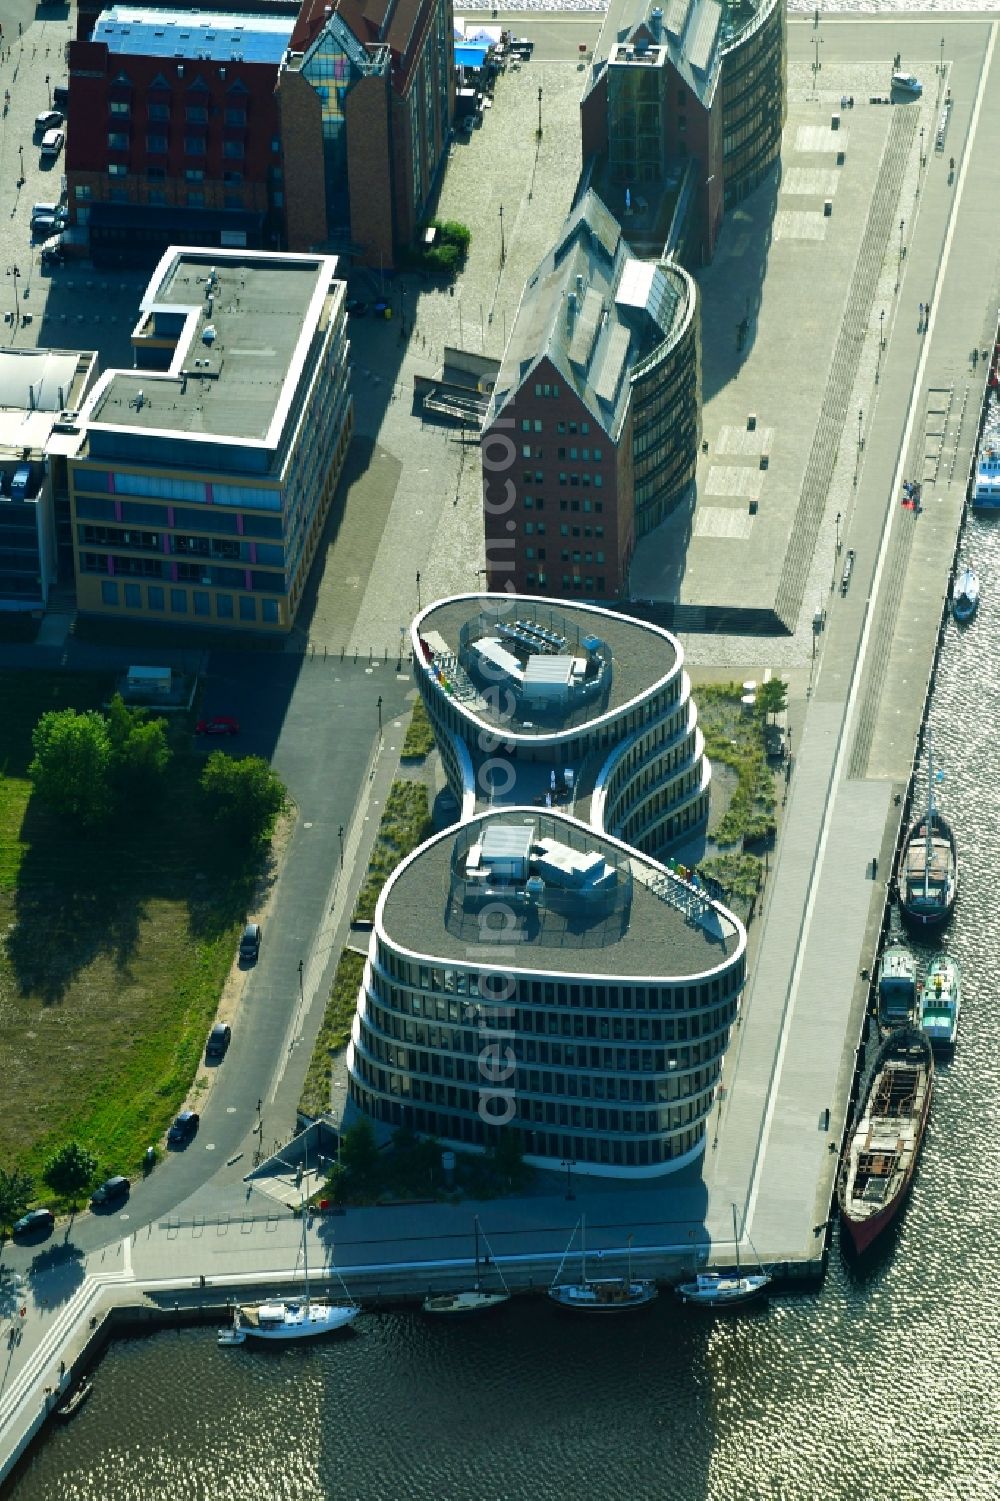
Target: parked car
35	1220
356	308
52	144
60	95
907	83
111	1189
218	1042
49	119
219	724
52	252
250	943
183	1128
47	213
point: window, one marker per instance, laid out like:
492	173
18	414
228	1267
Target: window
159	111
109	592
133	597
248	608
196	114
528	502
538	426
117	140
236	117
233	149
195	199
232	179
194	174
585	428
269	611
224	606
119	107
529	528
276	145
201	603
154	595
194	145
538	390
179	601
156	174
526	450
529	553
526	424
560	427
83	191
232	200
598	481
117	169
597	455
157	197
157	144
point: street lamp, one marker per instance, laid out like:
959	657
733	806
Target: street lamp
881	329
15	272
20	181
301	967
539	109
941	64
817	43
923	162
569	1164
861	444
418	590
379	707
899	266
340	836
836	552
503	246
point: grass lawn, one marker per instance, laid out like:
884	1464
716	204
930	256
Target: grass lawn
115	947
406	822
334	1034
419	740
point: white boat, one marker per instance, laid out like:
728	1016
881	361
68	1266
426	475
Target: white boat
941	1001
897	988
725	1290
471	1300
986	495
293	1320
604	1294
965	596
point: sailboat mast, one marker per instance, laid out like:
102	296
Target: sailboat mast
583	1248
929	826
475	1222
305	1253
736	1244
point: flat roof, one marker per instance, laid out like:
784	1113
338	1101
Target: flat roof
154	31
238	360
641	654
664	933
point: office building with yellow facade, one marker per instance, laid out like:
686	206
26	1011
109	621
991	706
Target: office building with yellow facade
205	474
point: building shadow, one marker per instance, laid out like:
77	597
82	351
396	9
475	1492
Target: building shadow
731	288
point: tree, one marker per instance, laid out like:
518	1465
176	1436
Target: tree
772	697
245	796
139	749
70	1171
508	1156
359	1157
17	1190
71	768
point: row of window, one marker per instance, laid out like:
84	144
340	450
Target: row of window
558	1147
249	579
194	114
199	603
184	518
159	145
171	487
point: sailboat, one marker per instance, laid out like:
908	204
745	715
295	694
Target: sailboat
471	1300
603	1295
928	875
292	1320
725	1290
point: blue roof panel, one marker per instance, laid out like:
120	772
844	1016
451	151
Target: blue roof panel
150	32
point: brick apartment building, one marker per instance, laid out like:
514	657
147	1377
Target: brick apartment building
261	126
687	100
592	431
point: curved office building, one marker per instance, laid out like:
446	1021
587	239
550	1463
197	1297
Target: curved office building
545	702
532	966
666	404
527	971
753	93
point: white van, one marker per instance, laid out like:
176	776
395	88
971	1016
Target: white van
52	142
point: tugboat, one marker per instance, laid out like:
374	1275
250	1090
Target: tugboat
885	1137
725	1291
897	988
604	1295
941	1001
928	876
965	596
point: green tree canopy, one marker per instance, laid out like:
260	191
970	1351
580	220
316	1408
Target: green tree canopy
71	1170
17	1190
772	697
71	768
139	749
358	1151
245	796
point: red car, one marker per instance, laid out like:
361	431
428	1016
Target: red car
220	724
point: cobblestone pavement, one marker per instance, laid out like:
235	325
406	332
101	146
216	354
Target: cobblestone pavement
415	505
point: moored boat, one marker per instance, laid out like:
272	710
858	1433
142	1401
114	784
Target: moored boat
941	1001
965	596
603	1294
475	1299
725	1291
928	873
884	1140
897	988
75	1400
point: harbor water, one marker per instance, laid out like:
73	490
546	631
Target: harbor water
883	1384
